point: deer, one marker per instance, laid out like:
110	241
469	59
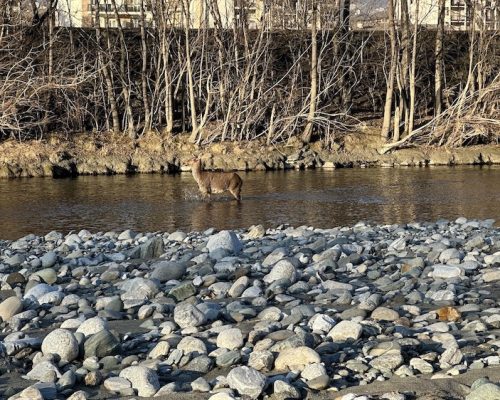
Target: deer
216	182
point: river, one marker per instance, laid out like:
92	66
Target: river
318	198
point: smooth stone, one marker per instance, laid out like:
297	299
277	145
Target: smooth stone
186	315
224	240
10	307
296	358
246	381
487	391
230	339
62	343
92	326
168	270
101	344
143	379
346	330
384	314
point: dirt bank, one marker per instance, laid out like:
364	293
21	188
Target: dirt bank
93	154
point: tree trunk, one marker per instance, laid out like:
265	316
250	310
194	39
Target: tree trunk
386	125
144	75
438	51
411	121
307	134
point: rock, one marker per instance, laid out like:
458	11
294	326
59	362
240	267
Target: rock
93	378
448	314
246	381
40	290
191	344
140	288
230	339
283	390
79	395
421	365
10	307
227	359
15	278
117	384
283	269
143	379
177	236
182	291
388	361
102	344
313	371
153	248
491	276
239	286
261	360
321	323
160	350
384	314
48	275
168	270
200	385
296	358
30	393
486	391
61	342
224	240
346	330
49	259
188	316
44	371
92	325
447	271
256	232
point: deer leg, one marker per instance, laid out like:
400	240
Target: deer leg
236	193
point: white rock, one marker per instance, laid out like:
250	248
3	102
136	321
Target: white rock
62	343
231	339
92	325
345	330
143	379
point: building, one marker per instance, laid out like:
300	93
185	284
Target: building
458	13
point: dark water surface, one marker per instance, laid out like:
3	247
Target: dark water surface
317	198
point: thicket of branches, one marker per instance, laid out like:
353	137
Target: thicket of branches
314	83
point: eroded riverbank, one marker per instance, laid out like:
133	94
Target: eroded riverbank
88	154
285	312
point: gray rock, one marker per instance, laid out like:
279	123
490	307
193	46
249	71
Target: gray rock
117	385
49	259
225	240
102	344
40	290
182	291
246	381
168	270
186	315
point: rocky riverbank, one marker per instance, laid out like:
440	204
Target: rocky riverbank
283	312
88	154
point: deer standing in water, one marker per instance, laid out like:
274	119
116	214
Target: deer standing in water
216	182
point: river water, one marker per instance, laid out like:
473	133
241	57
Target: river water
317	198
